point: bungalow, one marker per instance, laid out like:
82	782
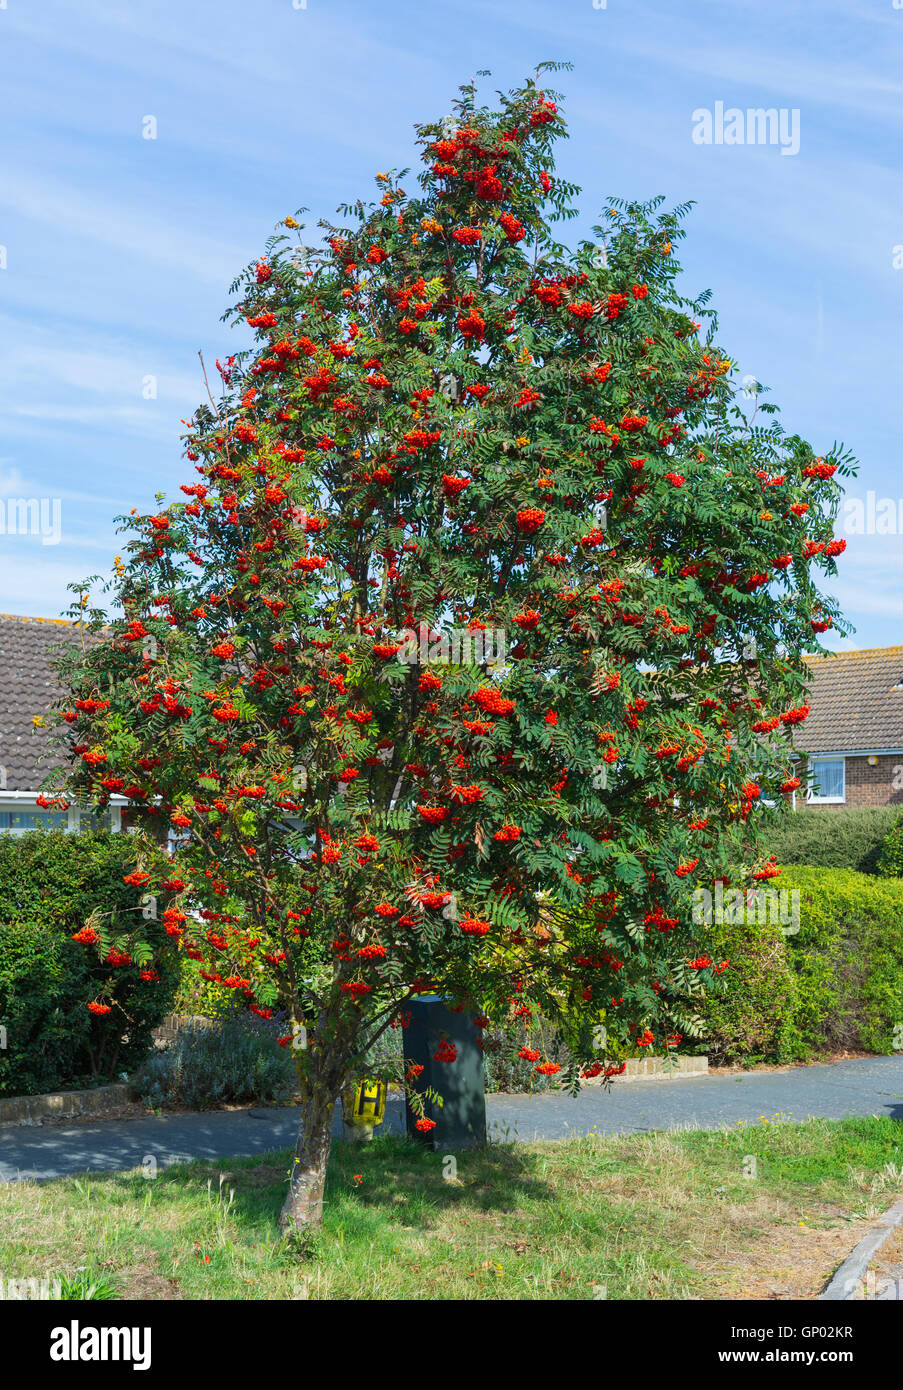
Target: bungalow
27	690
851	746
852	742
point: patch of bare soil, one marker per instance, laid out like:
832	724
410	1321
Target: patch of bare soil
884	1276
786	1261
145	1283
143	1280
715	1069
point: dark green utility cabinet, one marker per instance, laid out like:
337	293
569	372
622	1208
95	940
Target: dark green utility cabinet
461	1120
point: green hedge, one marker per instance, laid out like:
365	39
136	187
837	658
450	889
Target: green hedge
835	984
890	860
831	838
749	1018
848	958
50	882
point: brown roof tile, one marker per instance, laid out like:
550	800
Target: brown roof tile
856	701
27	689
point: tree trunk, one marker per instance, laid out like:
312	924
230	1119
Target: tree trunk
303	1209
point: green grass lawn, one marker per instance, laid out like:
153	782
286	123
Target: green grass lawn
663	1215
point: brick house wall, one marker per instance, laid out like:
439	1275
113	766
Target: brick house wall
881	785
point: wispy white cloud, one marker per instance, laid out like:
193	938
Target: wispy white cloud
93	215
834	643
798	78
90	366
12	483
34	585
63	374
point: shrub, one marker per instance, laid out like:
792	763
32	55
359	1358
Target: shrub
848	958
506	1071
835	984
750	1018
50	882
890	860
832	839
231	1062
42	1002
197	997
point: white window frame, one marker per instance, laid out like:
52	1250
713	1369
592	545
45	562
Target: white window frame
28	810
13	801
812	797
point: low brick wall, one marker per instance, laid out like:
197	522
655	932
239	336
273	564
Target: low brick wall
18	1110
173	1023
658	1068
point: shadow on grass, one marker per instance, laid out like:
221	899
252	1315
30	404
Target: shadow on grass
391	1180
394	1173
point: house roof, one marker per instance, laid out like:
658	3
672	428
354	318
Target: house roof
27	690
856	701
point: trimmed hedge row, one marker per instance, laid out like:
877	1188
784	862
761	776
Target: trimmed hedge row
831	839
890	860
836	983
50	882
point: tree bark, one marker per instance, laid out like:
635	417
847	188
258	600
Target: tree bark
303	1209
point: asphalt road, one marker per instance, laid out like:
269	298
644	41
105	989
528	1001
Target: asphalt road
834	1090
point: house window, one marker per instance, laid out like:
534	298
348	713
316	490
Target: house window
827	781
20	821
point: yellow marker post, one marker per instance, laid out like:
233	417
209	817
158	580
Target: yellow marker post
364	1107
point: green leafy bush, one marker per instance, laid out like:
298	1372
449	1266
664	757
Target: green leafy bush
751	1016
848	959
50	883
42	1007
890	860
838	838
835	984
230	1062
197	997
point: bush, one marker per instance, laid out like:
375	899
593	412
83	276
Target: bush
505	1071
890	860
848	958
42	1007
50	882
197	997
750	1017
232	1062
835	984
831	839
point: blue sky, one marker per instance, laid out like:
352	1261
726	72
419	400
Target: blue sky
119	250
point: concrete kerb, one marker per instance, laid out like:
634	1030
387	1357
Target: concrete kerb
846	1280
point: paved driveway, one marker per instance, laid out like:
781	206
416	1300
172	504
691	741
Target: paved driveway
865	1086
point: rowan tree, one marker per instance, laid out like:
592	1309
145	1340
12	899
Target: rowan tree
456	436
